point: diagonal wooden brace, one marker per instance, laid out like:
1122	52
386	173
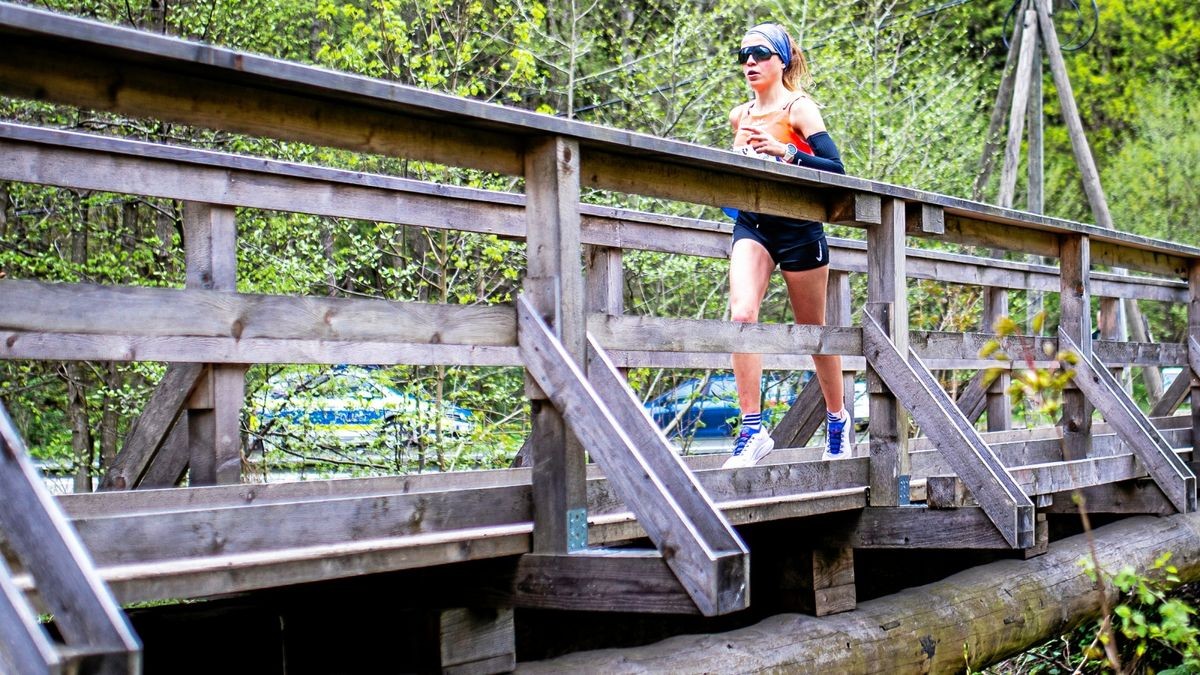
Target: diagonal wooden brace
1005	504
1171	474
705	554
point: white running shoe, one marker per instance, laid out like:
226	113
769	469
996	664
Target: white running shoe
750	448
839	438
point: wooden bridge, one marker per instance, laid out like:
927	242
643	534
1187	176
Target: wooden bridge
559	532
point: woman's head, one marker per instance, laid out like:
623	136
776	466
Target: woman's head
791	60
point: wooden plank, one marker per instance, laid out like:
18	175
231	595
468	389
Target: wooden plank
917	527
555	285
605	281
24	645
995	307
711	335
832	582
170	465
47	546
1193	343
93	309
600	580
1098	385
1003	98
960	444
709	575
1173	396
150	430
803	418
887	303
1128	497
947	492
477	640
972	398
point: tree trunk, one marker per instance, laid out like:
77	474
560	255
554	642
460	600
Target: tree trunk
974	618
110	417
81	429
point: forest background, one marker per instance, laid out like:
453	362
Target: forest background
906	88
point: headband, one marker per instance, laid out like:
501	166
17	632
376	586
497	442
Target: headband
778	38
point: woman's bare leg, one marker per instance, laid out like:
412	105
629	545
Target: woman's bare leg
806	290
750	268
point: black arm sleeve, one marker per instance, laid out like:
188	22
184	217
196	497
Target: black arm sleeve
825	155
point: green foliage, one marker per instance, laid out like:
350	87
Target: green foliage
1039	391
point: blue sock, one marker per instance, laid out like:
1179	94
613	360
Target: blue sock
753	422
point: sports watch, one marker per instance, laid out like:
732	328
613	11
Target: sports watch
789	155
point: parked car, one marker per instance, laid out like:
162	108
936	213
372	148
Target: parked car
710	409
713	411
349	406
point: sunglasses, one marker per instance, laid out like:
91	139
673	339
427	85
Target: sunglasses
759	52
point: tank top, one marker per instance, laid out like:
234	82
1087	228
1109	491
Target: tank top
775	122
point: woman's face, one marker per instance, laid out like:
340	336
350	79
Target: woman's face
761	74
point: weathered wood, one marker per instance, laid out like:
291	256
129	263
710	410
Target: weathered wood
969	620
924	219
999	405
1171	399
477	641
1193	343
832	580
1016	115
858	208
91	309
1137	496
37	531
1076	322
600	580
887	304
665	465
972	398
991	141
711	335
1169	472
803	418
151	429
170	464
947	492
710	576
918	527
959	443
605	281
24	645
554	284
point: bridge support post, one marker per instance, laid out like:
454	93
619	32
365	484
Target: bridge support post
999	407
1076	322
215	408
887	303
476	641
554	284
1193	373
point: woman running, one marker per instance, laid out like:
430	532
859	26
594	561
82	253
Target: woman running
781	124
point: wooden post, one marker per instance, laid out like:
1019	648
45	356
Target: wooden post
1036	193
1076	322
1016	117
1003	98
999	407
605	281
215	409
887	302
554	283
837	313
1110	325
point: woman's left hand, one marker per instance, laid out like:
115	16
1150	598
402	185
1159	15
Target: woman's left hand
765	143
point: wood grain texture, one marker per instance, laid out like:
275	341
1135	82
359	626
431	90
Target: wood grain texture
150	430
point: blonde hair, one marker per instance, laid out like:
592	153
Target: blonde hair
796	76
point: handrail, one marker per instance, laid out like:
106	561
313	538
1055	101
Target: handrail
94	65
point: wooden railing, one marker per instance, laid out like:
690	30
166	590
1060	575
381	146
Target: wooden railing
568	329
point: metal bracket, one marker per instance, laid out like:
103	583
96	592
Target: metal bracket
577	531
904	496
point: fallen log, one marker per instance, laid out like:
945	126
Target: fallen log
976	617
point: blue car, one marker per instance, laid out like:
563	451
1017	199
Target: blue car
710	409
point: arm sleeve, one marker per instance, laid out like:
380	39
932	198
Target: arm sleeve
825	155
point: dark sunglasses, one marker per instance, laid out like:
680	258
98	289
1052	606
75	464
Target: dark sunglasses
759	52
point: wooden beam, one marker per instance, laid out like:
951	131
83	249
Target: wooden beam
803	418
887	305
34	527
1076	321
710	575
971	459
999	405
1171	399
150	430
25	647
477	641
1016	115
599	580
947	492
925	219
858	208
972	398
1193	343
1003	97
1101	388
1128	497
917	527
711	335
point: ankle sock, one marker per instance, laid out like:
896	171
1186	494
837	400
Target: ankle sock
834	418
753	422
